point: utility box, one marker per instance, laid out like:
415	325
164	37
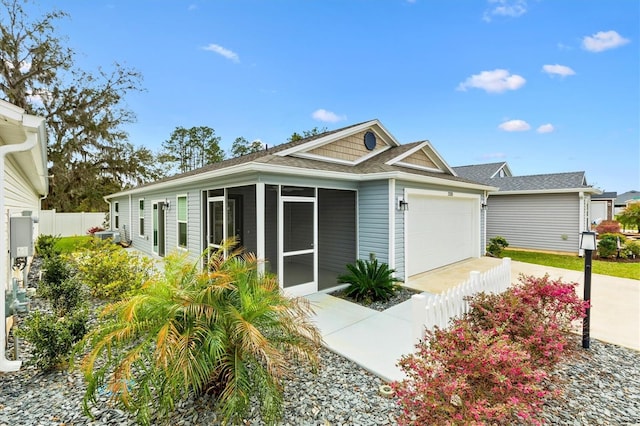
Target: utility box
21	234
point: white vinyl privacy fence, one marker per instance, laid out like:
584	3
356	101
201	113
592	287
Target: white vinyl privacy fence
68	224
429	311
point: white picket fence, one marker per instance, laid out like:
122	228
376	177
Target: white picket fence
429	311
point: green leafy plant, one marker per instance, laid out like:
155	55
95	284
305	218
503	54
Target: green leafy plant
228	330
110	272
632	248
369	281
53	337
608	244
64	296
496	245
56	269
630	216
46	246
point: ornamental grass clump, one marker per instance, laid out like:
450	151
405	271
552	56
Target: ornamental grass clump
489	367
227	330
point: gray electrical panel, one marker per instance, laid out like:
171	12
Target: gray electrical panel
21	234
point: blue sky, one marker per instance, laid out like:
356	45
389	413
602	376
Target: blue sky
546	85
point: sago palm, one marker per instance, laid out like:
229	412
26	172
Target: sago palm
369	281
227	330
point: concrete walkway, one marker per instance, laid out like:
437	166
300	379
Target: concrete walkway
376	340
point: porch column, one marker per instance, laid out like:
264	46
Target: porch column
260	238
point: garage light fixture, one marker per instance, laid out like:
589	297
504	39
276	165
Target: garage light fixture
403	205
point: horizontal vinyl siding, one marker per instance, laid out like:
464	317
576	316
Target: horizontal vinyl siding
539	221
399	234
373	212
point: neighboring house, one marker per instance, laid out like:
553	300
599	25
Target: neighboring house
623	200
311	206
539	212
23	171
602	206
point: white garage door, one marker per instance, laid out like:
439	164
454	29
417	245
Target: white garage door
441	231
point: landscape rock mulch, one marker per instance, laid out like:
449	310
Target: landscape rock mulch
600	386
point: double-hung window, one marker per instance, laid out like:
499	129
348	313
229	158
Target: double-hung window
182	221
116	215
141	216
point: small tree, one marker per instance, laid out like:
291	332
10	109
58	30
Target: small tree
630	216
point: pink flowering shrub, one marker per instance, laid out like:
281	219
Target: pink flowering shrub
489	366
537	313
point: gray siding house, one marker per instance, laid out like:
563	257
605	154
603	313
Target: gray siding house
309	207
23	171
539	212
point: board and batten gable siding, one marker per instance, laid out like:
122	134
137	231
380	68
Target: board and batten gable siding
373	220
536	221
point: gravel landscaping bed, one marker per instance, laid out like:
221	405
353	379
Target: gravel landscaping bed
601	386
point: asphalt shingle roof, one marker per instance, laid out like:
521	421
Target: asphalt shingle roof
479	172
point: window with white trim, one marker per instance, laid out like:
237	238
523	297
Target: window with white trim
182	221
141	216
116	215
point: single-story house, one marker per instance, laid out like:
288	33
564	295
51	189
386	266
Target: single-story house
311	206
23	172
602	206
539	212
623	200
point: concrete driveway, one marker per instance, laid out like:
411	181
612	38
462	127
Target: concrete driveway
615	302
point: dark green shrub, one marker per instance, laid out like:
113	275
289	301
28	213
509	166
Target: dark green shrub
496	245
369	281
46	246
632	248
64	296
56	269
53	337
608	244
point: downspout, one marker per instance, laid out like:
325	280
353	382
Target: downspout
5	364
484	243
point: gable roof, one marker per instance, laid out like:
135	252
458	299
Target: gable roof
622	199
481	172
302	157
528	184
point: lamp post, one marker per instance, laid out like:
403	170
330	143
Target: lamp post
588	244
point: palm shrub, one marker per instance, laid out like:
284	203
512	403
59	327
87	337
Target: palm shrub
227	330
369	281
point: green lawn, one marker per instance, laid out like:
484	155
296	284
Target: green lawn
573	262
71	244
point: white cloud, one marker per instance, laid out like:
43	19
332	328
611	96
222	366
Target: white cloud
510	8
603	40
556	69
223	52
496	81
546	128
515	126
327	116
